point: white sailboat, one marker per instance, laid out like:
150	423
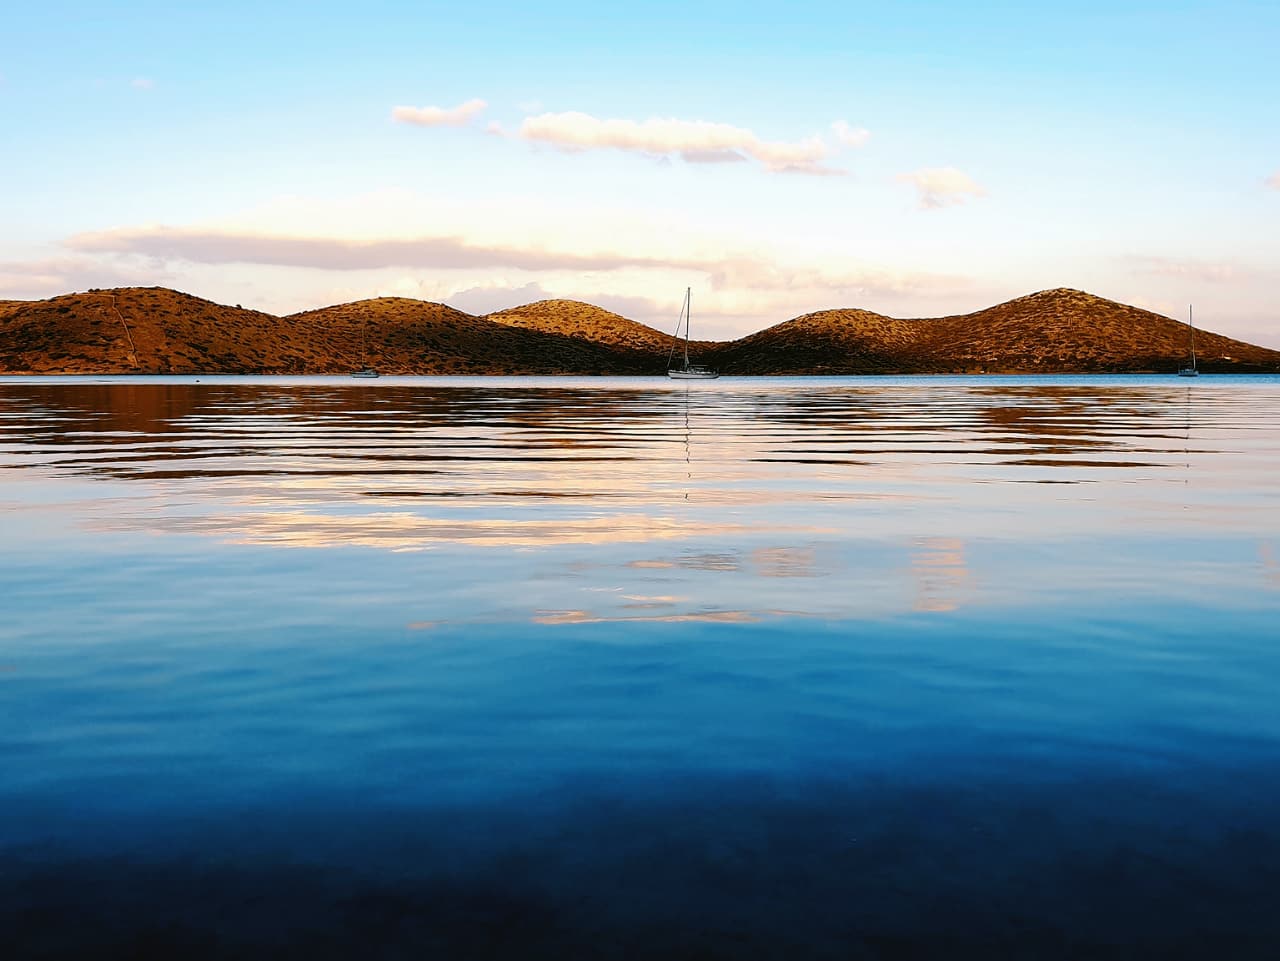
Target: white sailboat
1190	370
365	370
687	371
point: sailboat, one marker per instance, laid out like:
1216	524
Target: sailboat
365	370
687	371
1190	371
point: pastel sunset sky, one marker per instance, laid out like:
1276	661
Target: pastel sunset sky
912	158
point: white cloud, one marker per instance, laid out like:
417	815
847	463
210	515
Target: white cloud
486	299
298	252
1217	273
458	116
1157	305
1274	181
142	83
231	246
698	141
723	268
51	276
942	186
850	136
712	157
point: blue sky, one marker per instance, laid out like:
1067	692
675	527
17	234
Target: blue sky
914	158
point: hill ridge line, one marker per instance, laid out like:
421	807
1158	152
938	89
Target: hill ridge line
160	330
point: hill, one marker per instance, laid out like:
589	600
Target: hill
8	307
140	330
1052	331
1070	330
573	318
827	342
404	336
156	330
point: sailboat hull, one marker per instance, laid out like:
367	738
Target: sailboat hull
693	374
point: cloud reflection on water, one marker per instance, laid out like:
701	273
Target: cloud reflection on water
822	496
942	575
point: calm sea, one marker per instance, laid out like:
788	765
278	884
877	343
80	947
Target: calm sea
786	668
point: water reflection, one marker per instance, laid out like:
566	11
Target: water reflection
1270	559
825	668
824	497
941	574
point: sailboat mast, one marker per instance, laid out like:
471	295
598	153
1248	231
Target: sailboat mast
688	309
1192	324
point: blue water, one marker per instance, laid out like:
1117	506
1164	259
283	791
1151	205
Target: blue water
467	667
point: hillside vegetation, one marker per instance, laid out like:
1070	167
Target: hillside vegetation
156	331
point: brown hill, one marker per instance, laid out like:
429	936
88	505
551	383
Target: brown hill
573	318
8	307
404	336
1070	330
137	330
1059	330
156	330
827	342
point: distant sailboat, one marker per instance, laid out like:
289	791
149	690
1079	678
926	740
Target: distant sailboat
365	370
687	371
1190	370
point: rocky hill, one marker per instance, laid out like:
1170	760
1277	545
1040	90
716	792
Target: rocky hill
1053	331
827	342
141	330
156	330
1069	330
402	336
573	318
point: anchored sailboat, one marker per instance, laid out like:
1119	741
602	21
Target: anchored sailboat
365	370
1190	370
687	371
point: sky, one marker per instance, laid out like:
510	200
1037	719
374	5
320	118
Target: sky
913	158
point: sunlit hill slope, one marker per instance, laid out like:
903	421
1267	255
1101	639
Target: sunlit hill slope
1053	331
156	330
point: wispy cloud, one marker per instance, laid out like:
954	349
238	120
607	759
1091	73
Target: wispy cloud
214	246
1218	273
712	157
142	83
850	136
458	116
725	270
695	141
59	275
1274	181
487	299
942	186
1165	308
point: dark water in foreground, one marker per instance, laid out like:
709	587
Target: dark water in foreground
467	668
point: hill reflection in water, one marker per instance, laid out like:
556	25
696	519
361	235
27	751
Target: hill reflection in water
745	490
623	668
